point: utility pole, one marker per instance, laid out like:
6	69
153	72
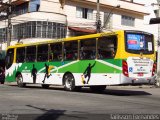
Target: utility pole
98	21
7	7
9	29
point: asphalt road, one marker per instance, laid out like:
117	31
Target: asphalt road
36	103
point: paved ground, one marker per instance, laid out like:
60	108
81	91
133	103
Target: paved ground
36	103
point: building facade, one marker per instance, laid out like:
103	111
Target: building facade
38	20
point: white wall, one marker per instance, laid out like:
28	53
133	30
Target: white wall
51	6
70	11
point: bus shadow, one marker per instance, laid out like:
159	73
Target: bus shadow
115	92
125	92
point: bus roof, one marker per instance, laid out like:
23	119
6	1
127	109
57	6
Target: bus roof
65	39
109	33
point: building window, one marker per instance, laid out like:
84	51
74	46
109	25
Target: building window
156	12
34	5
127	20
3	34
21	9
79	12
84	13
36	29
31	6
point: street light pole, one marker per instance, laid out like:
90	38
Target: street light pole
108	17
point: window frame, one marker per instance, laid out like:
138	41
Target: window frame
84	51
85	13
42	52
138	51
127	20
20	54
112	42
11	59
35	54
70	54
59	51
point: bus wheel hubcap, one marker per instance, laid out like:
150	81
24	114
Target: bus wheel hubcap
19	79
68	82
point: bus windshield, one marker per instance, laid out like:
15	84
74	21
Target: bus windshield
139	43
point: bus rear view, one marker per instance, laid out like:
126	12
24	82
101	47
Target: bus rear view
139	66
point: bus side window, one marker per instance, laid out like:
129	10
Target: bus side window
20	55
107	47
56	51
42	53
31	54
88	49
9	58
71	50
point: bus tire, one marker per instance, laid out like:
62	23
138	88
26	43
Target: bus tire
2	82
46	86
98	88
78	88
19	80
69	82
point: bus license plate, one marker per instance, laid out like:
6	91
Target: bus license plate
140	74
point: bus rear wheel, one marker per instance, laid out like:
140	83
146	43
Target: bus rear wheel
19	80
2	82
69	82
98	88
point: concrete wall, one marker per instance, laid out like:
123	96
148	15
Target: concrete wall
50	6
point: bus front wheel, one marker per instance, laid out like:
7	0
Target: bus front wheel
69	82
98	88
19	80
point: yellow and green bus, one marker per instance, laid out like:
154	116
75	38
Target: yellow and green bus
95	61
